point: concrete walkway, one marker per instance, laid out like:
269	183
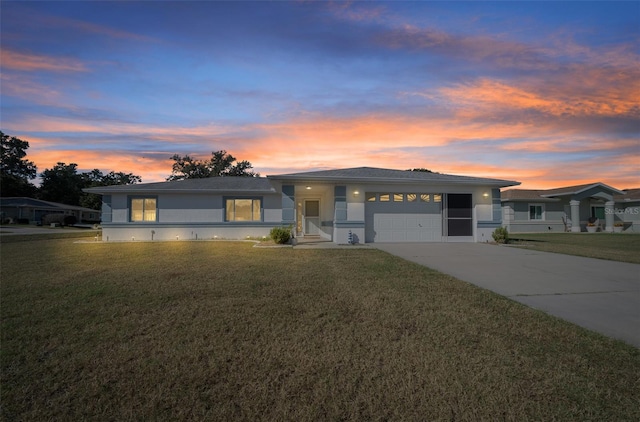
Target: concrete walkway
603	296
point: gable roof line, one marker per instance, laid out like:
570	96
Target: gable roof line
14	201
372	174
574	190
246	185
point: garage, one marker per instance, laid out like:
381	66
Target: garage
403	217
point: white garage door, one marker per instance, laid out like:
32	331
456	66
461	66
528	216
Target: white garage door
407	227
403	217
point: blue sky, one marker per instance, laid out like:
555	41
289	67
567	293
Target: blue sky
541	92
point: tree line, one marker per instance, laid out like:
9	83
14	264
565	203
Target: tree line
63	183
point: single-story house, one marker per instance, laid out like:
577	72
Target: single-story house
571	208
356	204
23	208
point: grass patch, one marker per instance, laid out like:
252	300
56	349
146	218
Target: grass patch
612	246
225	331
80	234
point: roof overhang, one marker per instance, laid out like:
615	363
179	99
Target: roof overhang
451	180
539	199
582	189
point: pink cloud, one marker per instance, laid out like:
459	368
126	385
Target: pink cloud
30	62
23	87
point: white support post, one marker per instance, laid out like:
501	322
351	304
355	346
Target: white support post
575	215
608	216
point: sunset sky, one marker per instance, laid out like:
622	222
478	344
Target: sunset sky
546	93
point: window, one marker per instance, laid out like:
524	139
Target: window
425	197
536	212
398	197
143	209
371	197
243	210
384	197
412	197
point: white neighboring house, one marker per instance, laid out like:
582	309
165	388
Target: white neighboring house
357	204
571	208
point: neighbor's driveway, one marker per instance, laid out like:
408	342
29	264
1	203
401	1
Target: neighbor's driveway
600	295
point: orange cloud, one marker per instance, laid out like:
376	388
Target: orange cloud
30	62
486	94
150	166
446	145
156	132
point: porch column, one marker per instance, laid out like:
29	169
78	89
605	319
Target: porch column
288	205
608	216
575	215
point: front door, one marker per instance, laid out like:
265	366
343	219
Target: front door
311	217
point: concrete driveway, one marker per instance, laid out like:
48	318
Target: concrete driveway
603	296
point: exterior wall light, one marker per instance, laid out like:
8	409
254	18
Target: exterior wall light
486	195
356	192
308	188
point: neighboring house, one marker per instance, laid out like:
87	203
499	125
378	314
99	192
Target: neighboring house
362	204
571	208
15	208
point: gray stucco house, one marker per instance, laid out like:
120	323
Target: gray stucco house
571	208
23	208
370	204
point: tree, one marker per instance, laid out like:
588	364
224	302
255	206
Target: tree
423	170
96	178
62	183
15	170
219	165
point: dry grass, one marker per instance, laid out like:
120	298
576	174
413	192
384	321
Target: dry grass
224	331
624	247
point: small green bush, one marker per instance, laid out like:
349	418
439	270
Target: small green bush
280	235
501	235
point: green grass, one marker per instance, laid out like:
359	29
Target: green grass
81	234
224	331
612	246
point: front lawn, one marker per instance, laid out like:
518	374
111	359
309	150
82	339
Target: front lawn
613	246
225	331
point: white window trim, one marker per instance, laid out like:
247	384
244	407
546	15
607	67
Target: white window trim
234	198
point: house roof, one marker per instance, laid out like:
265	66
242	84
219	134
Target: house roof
525	194
629	195
263	185
210	184
550	195
24	202
371	174
574	190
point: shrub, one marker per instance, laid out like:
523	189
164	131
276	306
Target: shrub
23	221
501	235
280	235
